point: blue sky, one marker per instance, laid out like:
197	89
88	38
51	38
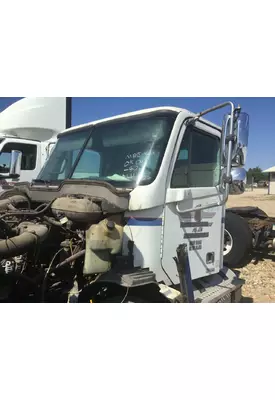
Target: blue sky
261	111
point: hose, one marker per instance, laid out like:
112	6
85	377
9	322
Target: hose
13	200
70	259
17	245
66	261
32	213
43	289
41	206
52	221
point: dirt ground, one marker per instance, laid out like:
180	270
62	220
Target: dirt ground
259	278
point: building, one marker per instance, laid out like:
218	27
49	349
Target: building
271	179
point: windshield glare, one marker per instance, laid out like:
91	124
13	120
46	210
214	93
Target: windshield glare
126	153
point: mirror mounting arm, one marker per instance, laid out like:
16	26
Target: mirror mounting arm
231	138
227	179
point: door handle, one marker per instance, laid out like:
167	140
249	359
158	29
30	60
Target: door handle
204	207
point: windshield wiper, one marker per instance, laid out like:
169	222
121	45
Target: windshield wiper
41	181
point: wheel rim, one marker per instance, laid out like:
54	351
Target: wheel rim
228	243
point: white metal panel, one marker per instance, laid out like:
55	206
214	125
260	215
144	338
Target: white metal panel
130	115
36	118
122	116
145	229
201	231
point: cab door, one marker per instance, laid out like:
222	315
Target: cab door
193	183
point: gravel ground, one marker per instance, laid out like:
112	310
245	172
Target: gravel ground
258	198
259	278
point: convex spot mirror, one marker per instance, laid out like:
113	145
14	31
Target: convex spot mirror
238	182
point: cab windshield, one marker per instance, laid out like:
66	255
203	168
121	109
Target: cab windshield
125	153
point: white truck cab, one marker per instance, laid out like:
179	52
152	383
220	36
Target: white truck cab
140	199
175	167
29	127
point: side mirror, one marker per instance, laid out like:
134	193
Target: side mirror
15	165
241	133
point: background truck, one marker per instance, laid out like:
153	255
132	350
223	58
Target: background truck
126	209
237	234
248	229
30	126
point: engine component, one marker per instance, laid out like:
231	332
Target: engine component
102	241
77	209
62	267
30	234
8	265
112	200
5	229
13	201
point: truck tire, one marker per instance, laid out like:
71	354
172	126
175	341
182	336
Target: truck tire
237	241
248	211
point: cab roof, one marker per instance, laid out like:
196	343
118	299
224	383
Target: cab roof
122	116
175	110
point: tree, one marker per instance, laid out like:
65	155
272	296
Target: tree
257	174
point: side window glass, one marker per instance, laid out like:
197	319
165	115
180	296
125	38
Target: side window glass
180	178
183	155
5	159
198	161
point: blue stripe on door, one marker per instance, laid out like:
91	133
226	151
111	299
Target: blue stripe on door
144	221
